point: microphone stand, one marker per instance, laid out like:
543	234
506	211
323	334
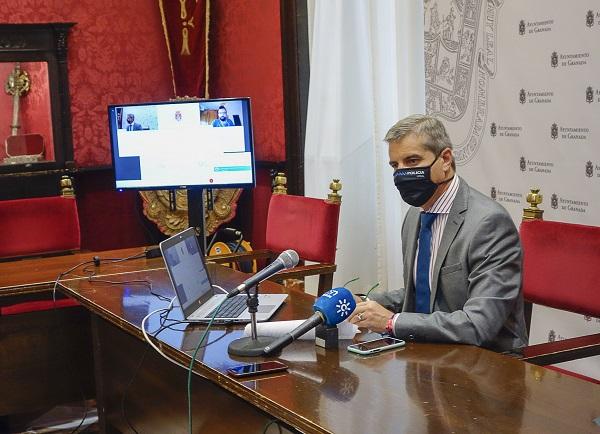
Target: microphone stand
252	345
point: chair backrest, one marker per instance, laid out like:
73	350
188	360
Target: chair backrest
38	226
561	265
305	224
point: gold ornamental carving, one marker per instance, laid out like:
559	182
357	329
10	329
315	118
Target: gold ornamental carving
534	198
157	209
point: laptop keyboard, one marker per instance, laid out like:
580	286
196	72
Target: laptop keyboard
232	308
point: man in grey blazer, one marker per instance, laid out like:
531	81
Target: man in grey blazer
463	285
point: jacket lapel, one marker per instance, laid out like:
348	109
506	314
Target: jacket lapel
453	224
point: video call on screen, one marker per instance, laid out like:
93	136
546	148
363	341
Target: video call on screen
182	144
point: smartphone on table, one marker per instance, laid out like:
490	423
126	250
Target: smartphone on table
376	345
256	369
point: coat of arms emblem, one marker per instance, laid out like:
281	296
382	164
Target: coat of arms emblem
554	59
589	169
589	18
551	336
522	164
522	27
554	201
460	59
493	129
522	96
554	131
589	94
450	54
493	193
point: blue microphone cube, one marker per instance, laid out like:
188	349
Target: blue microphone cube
336	305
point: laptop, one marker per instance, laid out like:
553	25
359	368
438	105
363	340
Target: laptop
197	297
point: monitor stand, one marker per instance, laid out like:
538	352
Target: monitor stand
195	199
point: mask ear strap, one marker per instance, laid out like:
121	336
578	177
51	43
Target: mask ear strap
436	158
447	180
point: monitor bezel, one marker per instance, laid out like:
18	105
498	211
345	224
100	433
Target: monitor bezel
191	186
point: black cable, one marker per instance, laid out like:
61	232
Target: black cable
239	243
111	261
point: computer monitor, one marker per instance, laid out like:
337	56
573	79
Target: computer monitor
182	144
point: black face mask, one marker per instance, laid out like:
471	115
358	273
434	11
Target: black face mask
415	184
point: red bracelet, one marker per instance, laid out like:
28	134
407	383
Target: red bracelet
389	328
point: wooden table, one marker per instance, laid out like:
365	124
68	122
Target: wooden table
46	356
420	388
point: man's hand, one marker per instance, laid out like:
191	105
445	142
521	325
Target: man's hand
371	315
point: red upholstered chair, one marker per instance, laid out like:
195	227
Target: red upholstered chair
561	269
39	225
307	225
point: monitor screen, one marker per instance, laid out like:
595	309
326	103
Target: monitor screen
180	144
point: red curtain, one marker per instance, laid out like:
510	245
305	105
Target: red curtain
186	24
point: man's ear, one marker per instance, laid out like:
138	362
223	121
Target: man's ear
447	156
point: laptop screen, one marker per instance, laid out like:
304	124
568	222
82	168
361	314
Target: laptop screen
187	270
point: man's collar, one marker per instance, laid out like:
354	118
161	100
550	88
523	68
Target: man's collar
443	204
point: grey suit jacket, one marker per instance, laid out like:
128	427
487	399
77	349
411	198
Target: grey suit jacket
476	293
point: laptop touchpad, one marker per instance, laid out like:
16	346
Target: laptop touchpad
265	308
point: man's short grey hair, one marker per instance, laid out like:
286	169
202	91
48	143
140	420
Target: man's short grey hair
429	128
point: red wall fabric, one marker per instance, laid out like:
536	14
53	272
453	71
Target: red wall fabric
245	60
117	54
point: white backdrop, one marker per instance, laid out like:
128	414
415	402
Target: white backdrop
517	83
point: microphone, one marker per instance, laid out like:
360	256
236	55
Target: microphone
331	308
285	260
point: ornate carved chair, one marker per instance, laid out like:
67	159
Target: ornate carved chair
307	225
561	269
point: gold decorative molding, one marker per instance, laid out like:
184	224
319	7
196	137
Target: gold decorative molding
66	186
534	198
334	196
157	209
279	183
